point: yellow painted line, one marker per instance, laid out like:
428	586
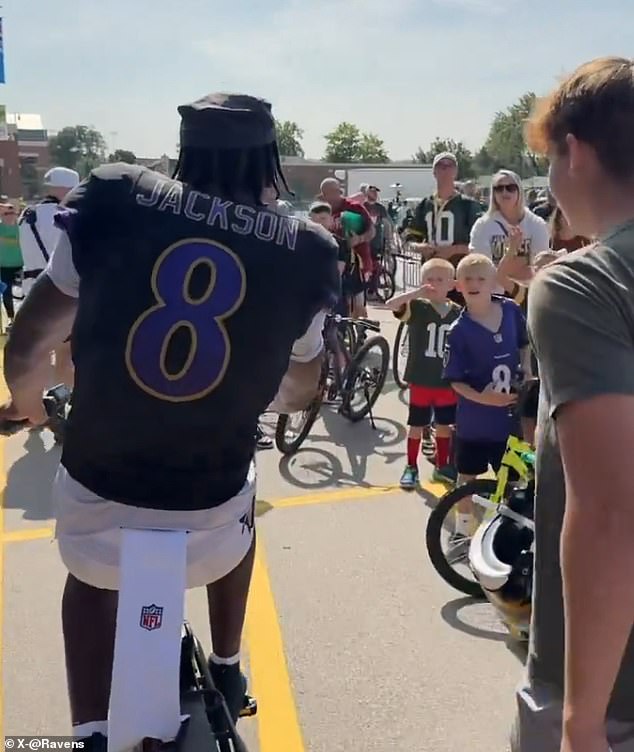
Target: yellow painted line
4	393
278	723
30	534
327	497
348	494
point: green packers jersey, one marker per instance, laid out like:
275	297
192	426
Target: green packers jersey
445	223
427	332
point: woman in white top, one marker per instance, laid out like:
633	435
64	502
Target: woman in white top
509	226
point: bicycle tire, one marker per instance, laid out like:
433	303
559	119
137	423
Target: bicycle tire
401	333
385	286
390	263
349	338
353	415
433	533
311	413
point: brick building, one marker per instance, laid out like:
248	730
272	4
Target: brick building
31	138
10	178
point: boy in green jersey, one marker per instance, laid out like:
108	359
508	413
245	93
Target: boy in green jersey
429	315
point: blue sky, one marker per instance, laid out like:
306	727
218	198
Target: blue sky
408	70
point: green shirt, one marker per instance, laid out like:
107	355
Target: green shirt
427	332
445	223
10	253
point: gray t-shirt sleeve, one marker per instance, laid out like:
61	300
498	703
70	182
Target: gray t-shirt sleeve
581	328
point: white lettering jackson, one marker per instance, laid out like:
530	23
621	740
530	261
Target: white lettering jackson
225	215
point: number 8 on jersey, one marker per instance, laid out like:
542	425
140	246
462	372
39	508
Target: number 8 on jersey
149	338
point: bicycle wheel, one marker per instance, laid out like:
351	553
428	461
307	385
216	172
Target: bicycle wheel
290	435
458	553
400	353
365	378
390	263
349	337
385	285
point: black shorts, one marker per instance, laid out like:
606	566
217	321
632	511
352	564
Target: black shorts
474	457
352	283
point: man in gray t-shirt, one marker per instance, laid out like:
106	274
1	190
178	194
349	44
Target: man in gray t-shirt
578	694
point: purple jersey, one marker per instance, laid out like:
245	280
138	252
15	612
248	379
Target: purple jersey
479	357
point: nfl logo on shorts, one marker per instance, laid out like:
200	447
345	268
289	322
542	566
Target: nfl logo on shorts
151	617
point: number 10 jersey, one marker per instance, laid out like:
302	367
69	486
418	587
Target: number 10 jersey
427	332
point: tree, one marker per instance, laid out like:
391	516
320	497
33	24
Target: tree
483	162
505	143
79	147
372	149
289	137
346	143
463	155
122	155
342	143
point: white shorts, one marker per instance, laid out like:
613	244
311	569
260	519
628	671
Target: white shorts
88	532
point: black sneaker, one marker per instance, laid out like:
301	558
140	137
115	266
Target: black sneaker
232	684
93	743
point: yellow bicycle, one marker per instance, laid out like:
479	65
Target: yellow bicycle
488	497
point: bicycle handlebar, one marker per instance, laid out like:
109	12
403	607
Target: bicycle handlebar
364	323
52	401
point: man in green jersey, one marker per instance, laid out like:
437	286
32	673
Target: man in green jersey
442	222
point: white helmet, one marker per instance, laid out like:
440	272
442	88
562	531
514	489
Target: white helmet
501	558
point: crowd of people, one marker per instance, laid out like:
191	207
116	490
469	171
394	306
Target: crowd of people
154	240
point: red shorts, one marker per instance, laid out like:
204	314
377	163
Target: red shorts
431	396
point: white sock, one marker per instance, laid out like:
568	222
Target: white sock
225	661
463	523
84	730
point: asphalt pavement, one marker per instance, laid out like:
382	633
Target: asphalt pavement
353	642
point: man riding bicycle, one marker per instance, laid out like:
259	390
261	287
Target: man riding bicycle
177	292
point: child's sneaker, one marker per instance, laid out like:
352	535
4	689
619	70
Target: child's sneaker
446	474
409	479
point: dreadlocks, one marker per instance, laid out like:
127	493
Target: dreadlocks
234	173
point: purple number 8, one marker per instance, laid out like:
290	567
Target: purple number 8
209	348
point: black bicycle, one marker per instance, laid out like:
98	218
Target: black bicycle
354	372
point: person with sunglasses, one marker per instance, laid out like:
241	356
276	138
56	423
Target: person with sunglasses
509	227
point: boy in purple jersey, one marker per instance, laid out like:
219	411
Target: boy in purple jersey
486	353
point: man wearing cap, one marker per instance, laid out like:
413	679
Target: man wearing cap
443	221
38	233
381	220
38	238
191	307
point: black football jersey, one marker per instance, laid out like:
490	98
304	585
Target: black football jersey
188	308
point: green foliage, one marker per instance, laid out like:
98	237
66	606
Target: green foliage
346	143
79	147
289	138
463	155
122	155
505	144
